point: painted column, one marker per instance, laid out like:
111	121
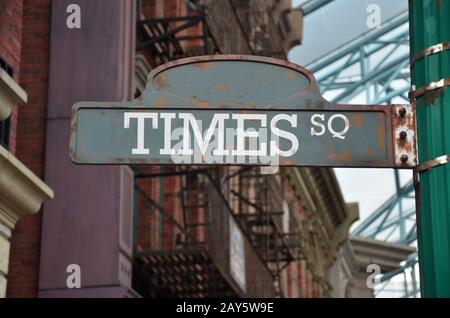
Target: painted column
89	223
430	26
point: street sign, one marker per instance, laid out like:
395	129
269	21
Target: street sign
240	110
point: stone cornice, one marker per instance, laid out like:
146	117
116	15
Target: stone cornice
21	191
341	233
319	191
11	94
385	254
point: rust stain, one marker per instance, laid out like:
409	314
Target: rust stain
289	162
370	153
254	121
202	66
73	126
117	120
136	160
405	145
345	156
72	153
222	87
438	4
291	74
161	102
201	103
161	81
431	96
358	121
249	105
381	137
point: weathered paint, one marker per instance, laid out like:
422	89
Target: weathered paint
231	84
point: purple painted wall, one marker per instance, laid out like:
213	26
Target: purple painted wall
88	222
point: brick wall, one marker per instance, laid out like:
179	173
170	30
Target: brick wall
10	27
25	243
10	46
148	227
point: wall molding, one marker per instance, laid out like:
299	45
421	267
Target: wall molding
11	94
21	191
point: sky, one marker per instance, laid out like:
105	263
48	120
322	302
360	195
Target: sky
369	187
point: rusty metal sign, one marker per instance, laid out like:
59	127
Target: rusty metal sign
240	110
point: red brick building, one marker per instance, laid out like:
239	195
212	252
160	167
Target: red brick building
23	69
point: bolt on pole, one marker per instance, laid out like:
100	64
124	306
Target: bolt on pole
430	94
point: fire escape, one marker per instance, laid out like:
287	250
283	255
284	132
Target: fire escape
181	219
256	200
165	39
174	255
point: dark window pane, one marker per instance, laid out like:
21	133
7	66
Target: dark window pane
4	132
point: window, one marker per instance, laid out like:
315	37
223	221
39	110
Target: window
285	20
4	132
6	67
5	124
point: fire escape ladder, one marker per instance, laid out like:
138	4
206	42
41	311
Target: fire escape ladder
195	206
252	197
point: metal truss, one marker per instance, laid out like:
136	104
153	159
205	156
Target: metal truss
374	69
389	221
313	5
375	65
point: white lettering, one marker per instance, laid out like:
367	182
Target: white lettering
317	124
140	150
167	150
274	149
243	134
240	143
340	134
218	120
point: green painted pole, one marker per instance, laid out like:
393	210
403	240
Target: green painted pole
430	26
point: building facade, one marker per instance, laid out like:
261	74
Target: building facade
153	231
22	190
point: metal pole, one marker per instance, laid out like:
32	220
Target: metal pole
430	26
